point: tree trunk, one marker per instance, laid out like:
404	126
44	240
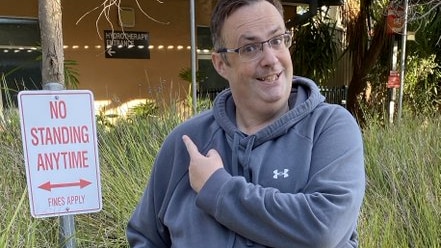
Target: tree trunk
364	55
50	19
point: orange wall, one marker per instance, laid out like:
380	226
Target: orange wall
121	80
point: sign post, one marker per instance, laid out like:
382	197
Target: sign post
60	152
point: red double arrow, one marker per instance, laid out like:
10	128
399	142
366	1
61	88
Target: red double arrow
49	186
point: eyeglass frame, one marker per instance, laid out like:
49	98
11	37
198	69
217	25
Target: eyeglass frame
261	43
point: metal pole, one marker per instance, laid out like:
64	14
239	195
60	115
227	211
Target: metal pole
193	56
393	91
67	231
67	222
53	86
403	58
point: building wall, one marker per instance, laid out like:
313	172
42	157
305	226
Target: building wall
122	80
118	81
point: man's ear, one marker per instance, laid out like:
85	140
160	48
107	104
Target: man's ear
219	64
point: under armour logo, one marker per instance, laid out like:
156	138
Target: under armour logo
278	173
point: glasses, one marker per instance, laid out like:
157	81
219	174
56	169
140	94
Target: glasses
253	51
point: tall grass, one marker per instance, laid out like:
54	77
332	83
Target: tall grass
402	207
17	228
127	151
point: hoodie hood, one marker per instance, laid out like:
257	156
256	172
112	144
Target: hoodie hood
304	98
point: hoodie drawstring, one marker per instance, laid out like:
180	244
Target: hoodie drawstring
246	170
247	155
234	159
245	158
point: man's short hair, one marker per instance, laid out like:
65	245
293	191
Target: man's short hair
225	8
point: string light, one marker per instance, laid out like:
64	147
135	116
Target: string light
16	49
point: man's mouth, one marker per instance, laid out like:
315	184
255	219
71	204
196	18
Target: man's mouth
270	78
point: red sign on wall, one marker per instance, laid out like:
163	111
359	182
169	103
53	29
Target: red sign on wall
393	80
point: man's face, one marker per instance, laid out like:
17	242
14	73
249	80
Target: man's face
261	85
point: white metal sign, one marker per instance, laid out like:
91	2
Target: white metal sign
60	152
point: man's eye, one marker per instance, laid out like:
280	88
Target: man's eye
276	41
251	48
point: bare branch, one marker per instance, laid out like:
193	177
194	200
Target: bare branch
105	9
148	16
418	4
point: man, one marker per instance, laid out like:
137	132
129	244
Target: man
271	165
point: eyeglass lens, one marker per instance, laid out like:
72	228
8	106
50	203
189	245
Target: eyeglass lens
253	50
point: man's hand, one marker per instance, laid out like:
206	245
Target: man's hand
201	167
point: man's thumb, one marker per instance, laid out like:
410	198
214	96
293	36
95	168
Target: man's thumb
212	154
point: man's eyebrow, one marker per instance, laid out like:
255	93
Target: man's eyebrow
243	38
249	37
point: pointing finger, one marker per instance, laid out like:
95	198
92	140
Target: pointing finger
191	147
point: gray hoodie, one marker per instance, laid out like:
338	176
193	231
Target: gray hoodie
298	182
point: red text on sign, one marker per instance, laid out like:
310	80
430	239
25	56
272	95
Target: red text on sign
59	135
62	160
58	109
68	200
56	201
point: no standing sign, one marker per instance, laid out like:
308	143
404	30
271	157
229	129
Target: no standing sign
60	152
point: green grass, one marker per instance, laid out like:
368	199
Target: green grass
402	207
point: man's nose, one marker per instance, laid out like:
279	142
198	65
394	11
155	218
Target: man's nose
269	55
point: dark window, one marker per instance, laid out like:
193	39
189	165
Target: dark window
20	56
210	80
